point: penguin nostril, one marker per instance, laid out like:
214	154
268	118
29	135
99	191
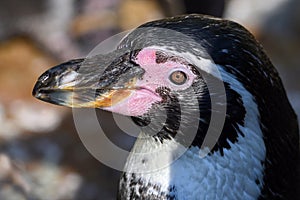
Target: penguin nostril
44	78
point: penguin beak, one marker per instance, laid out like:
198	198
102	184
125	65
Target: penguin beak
96	82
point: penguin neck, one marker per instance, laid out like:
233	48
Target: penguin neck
165	171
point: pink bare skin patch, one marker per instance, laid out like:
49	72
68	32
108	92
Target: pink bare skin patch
137	104
156	76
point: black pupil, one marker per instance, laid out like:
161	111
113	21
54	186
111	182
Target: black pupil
178	77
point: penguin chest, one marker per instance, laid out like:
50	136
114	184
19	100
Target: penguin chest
189	176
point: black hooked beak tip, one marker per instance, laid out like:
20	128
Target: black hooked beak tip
50	80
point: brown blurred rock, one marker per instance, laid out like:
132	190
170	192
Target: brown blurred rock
133	13
21	64
127	15
85	23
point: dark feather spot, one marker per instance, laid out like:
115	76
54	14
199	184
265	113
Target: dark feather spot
161	57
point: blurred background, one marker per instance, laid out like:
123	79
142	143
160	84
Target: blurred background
41	155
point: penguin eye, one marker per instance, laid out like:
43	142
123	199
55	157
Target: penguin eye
178	77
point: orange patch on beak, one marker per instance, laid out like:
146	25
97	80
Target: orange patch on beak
111	98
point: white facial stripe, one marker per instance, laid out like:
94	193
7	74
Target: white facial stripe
203	64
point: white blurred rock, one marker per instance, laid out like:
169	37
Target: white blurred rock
35	118
251	13
11	177
5	166
53	183
69	186
8	128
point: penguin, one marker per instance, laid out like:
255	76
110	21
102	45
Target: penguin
178	79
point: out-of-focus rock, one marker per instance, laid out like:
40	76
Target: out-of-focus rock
53	183
34	117
13	183
45	21
251	14
21	63
8	130
5	166
21	116
133	13
280	34
98	20
86	23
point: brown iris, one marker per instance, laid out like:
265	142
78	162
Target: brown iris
178	77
